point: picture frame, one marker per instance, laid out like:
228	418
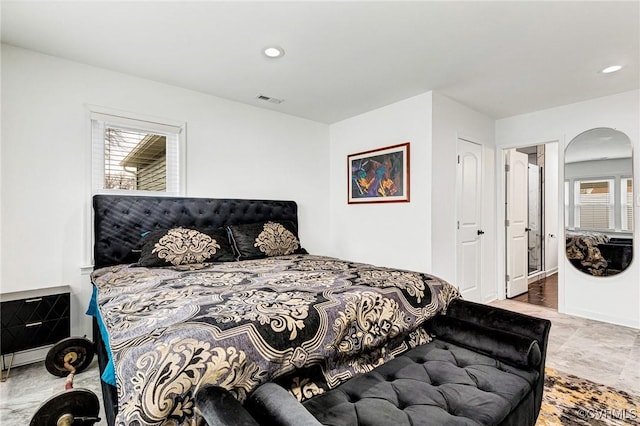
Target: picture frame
379	175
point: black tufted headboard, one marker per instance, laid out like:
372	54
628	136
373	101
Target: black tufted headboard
120	220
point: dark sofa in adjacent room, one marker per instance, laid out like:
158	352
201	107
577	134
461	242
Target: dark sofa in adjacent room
485	366
618	252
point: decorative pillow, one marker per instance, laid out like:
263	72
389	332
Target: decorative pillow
264	239
182	246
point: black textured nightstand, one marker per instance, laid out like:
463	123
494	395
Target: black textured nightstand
30	319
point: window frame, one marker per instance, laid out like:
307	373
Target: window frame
137	122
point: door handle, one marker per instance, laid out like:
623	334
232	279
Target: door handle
480	232
527	229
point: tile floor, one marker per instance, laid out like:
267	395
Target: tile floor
30	385
604	353
597	351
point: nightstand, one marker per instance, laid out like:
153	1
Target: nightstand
34	318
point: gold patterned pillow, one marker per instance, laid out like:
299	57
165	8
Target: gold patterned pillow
276	240
183	246
265	239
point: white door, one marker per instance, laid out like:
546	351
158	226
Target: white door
517	177
469	233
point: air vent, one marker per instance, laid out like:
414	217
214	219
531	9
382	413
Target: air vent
270	99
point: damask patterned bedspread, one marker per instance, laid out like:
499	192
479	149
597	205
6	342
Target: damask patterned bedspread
240	324
583	247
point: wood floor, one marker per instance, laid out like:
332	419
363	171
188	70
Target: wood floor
543	292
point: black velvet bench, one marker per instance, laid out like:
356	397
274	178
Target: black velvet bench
485	367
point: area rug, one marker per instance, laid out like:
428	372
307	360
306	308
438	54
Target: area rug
569	400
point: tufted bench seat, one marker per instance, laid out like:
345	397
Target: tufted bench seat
485	367
439	383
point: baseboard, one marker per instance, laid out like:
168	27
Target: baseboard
489	298
597	316
536	277
541	275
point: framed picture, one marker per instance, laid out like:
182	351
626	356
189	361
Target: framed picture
379	176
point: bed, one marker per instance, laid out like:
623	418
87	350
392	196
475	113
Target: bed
255	308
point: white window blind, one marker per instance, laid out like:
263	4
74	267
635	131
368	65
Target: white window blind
626	200
135	155
594	204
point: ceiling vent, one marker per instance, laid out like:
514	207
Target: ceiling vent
270	99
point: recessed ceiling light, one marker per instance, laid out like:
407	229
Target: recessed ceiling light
273	52
612	68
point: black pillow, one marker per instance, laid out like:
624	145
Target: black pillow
182	246
264	239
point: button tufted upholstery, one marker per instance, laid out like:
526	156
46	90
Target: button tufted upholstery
120	220
485	367
436	384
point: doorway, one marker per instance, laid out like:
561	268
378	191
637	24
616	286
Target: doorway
535	209
531	209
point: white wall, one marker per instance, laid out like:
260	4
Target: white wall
233	150
452	120
598	168
614	299
386	234
419	235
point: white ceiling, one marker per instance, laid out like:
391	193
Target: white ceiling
598	144
345	58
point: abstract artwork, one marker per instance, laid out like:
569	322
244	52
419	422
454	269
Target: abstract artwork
379	175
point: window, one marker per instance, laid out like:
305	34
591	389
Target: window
626	203
599	204
136	155
594	204
566	205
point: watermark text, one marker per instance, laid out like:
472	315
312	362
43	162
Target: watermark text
608	413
